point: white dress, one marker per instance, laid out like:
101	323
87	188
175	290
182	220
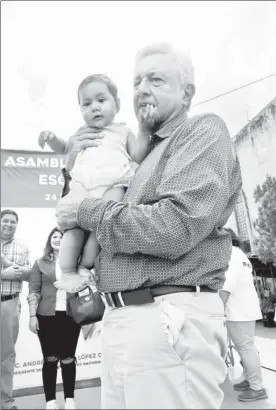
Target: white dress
97	169
243	304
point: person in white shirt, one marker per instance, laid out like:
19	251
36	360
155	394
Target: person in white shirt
242	309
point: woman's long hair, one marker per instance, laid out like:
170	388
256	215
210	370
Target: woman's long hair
48	253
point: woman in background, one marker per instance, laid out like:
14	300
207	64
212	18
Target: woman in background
57	332
242	309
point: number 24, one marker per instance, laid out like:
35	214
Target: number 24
50	197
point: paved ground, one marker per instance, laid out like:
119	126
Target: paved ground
266	341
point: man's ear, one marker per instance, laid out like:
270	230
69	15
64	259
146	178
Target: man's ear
189	92
118	105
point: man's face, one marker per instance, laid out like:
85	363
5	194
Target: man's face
8	226
157	82
97	104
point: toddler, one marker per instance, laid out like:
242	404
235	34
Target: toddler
100	172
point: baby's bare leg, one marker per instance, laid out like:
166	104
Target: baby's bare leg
92	247
115	194
70	250
90	252
71	247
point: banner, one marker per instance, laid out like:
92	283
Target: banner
31	186
30	179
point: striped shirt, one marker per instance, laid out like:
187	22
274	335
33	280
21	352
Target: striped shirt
169	228
18	253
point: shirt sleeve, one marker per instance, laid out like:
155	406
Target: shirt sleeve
194	191
34	284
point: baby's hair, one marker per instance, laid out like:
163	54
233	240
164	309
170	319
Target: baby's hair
102	79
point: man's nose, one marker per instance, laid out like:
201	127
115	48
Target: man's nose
143	87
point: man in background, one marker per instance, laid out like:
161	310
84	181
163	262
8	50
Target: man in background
15	267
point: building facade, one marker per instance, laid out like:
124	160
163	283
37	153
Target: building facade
256	148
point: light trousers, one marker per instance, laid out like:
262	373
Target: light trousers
169	354
10	310
242	335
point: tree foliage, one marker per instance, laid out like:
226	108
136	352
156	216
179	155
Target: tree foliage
265	225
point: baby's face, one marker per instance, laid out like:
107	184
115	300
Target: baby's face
98	106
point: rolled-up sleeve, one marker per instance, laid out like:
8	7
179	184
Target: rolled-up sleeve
193	193
34	285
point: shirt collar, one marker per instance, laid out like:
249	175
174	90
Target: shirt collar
10	240
168	129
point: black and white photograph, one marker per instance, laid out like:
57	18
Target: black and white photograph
138	204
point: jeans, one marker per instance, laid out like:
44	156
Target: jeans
169	354
242	335
58	336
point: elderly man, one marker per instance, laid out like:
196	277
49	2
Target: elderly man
164	250
15	267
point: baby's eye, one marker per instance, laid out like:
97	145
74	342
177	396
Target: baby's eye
85	104
101	100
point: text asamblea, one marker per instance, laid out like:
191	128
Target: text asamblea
34	162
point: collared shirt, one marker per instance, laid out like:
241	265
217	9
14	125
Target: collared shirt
243	304
16	252
168	229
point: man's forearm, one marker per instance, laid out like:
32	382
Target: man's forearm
25	273
7	275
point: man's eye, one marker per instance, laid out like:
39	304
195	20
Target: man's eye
157	81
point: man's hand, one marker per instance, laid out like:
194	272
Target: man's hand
146	118
12	273
84	138
66	212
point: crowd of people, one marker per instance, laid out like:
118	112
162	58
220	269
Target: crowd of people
147	212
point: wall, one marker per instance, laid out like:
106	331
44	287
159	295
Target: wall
256	149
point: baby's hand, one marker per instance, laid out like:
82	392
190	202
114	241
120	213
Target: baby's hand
146	118
45	136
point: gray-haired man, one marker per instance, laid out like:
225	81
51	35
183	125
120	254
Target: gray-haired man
164	250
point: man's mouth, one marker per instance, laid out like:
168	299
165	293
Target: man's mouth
144	105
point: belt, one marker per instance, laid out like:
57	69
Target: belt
147	295
8	297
